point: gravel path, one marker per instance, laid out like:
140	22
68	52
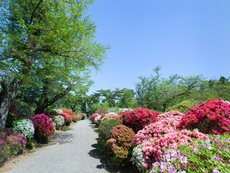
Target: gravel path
75	152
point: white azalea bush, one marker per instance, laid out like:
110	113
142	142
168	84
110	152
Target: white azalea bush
137	156
59	120
24	126
120	110
59	111
97	120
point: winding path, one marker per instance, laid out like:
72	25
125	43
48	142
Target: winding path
75	152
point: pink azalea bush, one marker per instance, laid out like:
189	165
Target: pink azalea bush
92	118
210	117
158	136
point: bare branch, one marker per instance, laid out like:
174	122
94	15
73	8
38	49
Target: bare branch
32	16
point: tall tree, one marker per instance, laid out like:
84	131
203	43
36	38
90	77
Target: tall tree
45	39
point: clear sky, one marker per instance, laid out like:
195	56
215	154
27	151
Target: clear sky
185	37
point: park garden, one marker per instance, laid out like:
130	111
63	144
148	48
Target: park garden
47	52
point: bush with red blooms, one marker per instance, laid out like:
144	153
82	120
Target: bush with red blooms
68	120
43	126
121	143
139	118
74	117
212	116
124	117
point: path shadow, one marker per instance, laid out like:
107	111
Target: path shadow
64	138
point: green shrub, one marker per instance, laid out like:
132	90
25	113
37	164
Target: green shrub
121	144
104	133
184	106
53	112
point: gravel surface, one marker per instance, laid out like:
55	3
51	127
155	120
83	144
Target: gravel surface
75	152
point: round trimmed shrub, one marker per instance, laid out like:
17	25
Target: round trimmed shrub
184	106
101	111
210	117
121	144
104	133
139	118
26	127
59	120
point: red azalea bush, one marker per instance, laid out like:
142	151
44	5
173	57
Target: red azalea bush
212	116
74	117
121	143
43	126
139	118
68	120
163	134
124	117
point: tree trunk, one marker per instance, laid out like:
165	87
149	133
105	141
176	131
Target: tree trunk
6	101
47	103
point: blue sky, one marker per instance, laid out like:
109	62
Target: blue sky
185	37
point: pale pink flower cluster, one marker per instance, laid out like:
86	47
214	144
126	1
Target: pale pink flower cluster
163	134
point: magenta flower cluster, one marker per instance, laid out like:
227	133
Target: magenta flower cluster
10	143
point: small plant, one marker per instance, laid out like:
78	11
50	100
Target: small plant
26	127
104	133
121	144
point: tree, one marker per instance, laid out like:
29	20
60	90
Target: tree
159	93
43	39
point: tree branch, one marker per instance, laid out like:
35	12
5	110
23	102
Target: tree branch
32	16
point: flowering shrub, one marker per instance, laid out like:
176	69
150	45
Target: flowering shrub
161	135
26	127
209	117
83	115
74	117
139	118
11	143
124	117
211	155
104	133
59	111
43	126
68	120
59	120
12	115
121	143
137	156
121	110
108	116
97	120
93	117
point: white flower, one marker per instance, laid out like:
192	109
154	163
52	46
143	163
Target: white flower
26	127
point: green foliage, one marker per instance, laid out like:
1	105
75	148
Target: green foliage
48	48
121	144
159	93
104	133
183	106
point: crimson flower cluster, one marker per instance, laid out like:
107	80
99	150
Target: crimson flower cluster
212	116
139	118
43	125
